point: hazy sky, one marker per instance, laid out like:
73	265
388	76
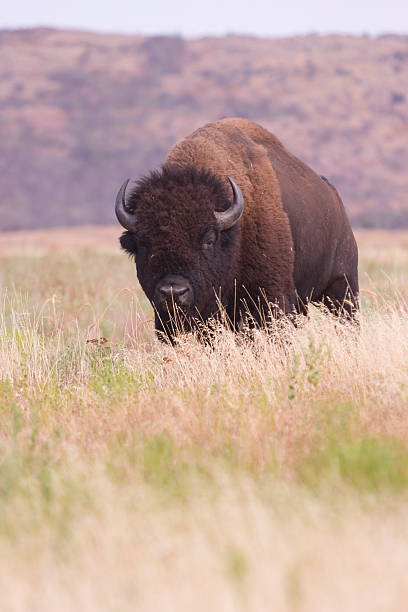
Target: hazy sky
261	17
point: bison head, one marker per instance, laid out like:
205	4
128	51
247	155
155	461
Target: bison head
182	230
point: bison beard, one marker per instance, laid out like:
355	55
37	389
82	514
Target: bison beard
234	220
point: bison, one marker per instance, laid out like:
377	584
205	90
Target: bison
233	220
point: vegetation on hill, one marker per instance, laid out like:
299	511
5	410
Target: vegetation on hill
80	112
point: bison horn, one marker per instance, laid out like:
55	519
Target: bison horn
230	217
124	214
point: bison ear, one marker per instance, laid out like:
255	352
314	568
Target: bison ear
128	243
230	217
124	213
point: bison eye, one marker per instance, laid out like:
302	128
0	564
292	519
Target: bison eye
209	240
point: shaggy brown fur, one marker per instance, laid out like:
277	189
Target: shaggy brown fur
293	243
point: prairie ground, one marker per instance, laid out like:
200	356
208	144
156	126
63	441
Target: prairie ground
269	474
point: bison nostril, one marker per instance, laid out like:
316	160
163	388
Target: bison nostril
184	298
179	291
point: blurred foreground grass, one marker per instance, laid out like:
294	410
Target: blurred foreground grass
250	476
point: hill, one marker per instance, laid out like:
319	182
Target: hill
82	111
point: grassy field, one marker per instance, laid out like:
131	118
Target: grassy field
262	475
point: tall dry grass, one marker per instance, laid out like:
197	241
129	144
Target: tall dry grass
256	474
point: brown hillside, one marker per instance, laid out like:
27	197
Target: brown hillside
82	111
